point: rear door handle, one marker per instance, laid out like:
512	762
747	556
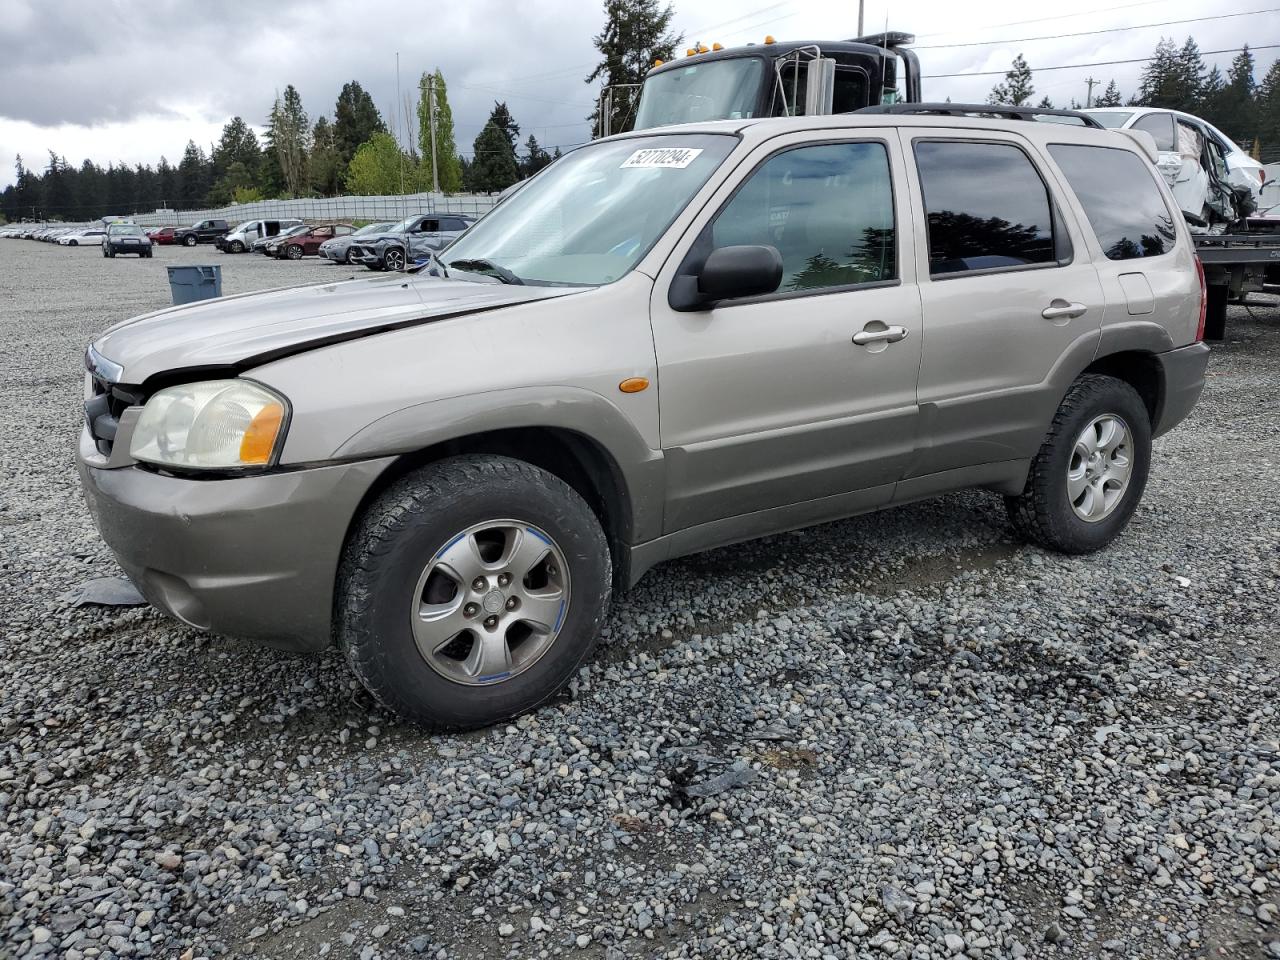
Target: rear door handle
1060	310
887	335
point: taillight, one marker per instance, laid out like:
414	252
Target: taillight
1204	300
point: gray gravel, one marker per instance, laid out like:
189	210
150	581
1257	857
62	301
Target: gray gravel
898	736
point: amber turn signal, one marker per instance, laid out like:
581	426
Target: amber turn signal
260	436
634	384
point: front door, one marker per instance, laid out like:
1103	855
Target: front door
806	395
1009	294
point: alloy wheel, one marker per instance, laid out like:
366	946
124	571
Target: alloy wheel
1100	466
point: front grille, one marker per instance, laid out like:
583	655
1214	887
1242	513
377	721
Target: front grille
102	410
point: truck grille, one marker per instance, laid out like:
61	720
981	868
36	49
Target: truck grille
103	407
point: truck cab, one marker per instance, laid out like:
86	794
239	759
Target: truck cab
780	79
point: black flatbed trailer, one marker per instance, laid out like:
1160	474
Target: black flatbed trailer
1236	264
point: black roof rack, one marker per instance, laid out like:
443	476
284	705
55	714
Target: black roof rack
1000	111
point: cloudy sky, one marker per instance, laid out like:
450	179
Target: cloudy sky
118	81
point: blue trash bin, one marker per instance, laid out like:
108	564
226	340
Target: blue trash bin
191	283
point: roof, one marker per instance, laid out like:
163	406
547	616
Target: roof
778	48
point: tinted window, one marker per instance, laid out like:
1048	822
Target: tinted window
827	209
1160	126
1119	194
849	91
986	207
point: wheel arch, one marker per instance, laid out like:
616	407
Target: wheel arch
1141	370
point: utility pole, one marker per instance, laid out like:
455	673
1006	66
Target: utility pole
860	5
431	106
1088	100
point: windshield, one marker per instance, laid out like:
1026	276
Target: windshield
590	217
403	226
1110	120
712	90
125	230
373	228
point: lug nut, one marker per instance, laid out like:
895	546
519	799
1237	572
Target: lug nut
470	610
478	584
504	579
512	603
490	622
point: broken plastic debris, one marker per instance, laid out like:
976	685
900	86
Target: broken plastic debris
718	785
105	592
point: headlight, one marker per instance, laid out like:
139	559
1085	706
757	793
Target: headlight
214	425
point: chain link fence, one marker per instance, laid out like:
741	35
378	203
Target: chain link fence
315	209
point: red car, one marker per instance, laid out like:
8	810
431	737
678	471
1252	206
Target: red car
307	244
161	235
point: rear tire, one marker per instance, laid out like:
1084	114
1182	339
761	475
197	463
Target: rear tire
1109	487
389	576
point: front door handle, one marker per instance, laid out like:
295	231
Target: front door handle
1061	310
887	335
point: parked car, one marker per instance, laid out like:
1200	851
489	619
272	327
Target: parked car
124	238
308	242
1214	181
243	236
260	245
339	248
162	236
93	236
411	239
805	320
206	231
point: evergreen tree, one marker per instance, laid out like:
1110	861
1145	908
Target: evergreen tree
1110	97
1016	88
356	120
1268	112
447	168
166	183
636	32
325	164
494	166
193	178
1236	112
537	157
289	138
236	159
1171	78
59	200
1045	103
501	117
1191	74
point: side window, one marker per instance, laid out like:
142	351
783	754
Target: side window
429	226
828	209
849	90
1121	199
1160	126
985	205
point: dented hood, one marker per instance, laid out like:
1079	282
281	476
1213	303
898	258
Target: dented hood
243	331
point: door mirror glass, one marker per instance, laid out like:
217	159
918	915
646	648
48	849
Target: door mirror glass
748	270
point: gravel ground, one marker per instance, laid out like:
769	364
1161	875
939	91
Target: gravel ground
903	735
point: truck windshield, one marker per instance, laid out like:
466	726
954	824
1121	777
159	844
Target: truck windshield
589	217
711	90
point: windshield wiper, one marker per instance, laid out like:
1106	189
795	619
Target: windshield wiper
479	264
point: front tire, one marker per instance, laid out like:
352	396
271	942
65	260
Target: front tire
472	590
236	246
1089	474
189	240
294	252
393	259
73	243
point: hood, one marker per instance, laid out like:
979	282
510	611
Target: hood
235	333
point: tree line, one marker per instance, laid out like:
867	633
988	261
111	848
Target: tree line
350	152
1176	78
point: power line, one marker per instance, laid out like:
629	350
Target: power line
1077	66
1060	16
1092	33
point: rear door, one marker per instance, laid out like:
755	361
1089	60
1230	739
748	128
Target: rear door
770	402
1007	289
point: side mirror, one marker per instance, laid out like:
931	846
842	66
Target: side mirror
749	270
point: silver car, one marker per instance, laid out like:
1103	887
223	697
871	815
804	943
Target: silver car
338	249
665	342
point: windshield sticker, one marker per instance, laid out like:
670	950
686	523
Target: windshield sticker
675	157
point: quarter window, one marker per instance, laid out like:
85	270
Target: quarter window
986	207
1121	199
828	209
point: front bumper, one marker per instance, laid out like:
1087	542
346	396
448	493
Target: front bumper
250	556
1183	378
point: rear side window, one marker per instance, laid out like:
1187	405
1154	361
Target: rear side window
827	208
986	207
1119	194
1160	126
